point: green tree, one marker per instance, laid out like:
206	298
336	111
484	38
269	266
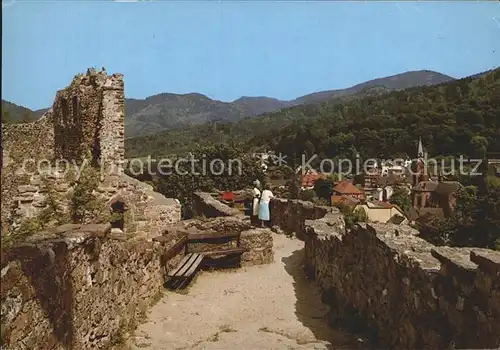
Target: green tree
84	204
438	231
231	169
479	145
308	195
401	198
352	215
53	212
355	216
323	188
466	198
294	187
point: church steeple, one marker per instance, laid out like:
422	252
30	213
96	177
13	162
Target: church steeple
420	153
420	168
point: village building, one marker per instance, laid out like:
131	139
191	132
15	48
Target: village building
432	194
378	211
308	180
348	190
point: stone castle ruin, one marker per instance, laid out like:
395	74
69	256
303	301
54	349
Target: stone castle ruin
84	127
85	285
88	118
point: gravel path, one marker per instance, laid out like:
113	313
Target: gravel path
263	307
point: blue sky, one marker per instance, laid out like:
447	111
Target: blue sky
230	49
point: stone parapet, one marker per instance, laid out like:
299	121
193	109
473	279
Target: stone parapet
204	204
406	292
290	215
77	287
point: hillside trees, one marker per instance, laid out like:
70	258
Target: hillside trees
208	168
475	223
446	116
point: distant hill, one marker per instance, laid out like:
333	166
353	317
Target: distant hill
393	82
12	113
450	117
167	111
171	111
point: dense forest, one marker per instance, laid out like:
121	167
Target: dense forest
453	118
183	140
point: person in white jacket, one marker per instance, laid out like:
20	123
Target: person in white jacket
256	198
265	199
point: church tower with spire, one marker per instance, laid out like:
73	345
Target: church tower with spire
420	174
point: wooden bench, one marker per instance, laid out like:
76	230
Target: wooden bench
229	251
186	269
202	237
187	266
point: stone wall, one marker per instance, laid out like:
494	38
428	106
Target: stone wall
204	204
147	210
403	291
32	142
259	243
290	215
78	287
89	119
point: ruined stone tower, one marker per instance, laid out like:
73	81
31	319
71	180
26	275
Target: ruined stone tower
86	121
89	119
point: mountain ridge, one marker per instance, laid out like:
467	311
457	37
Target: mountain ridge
167	111
176	112
376	122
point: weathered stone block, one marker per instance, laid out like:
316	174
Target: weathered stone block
259	243
205	205
27	188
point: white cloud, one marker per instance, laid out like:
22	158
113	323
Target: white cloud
6	3
496	21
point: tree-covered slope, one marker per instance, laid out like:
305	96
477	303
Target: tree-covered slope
12	113
451	118
169	111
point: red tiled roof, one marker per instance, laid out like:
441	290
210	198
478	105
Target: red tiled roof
345	187
344	200
308	180
228	196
